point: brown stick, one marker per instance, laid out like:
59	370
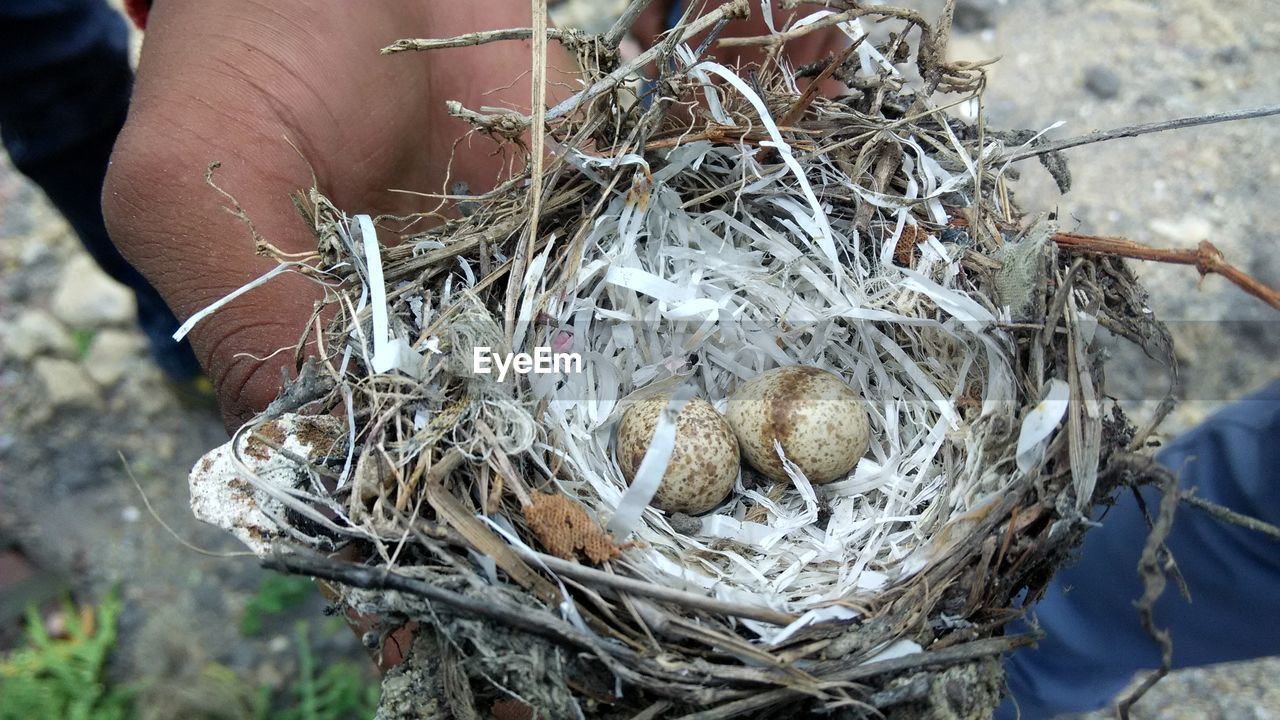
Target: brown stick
622	26
591	576
797	111
733	9
478	38
1207	258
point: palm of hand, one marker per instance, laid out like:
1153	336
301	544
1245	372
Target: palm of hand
244	83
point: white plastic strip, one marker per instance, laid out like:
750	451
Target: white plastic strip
1039	424
956	303
897	649
810	617
824	238
384	357
191	321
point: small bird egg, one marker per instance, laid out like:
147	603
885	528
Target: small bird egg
704	463
818	419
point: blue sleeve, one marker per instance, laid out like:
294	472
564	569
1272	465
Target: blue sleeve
1094	642
64	74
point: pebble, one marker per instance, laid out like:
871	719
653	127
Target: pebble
278	644
974	15
142	392
1187	231
1102	82
35	332
1231	55
111	356
66	384
87	298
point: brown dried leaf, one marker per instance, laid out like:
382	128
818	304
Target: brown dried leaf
564	528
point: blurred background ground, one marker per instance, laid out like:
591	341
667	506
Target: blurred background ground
77	391
199	635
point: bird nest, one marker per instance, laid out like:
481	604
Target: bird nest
686	236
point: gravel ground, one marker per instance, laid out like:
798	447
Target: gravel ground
78	393
75	397
1108	63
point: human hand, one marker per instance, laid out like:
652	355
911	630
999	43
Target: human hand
244	83
236	82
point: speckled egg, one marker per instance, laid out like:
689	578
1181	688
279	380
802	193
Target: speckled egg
704	463
819	420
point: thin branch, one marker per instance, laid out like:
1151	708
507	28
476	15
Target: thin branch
613	37
797	111
737	8
568	37
933	658
592	576
524	248
1227	515
897	666
910	16
1207	258
536	622
1142	129
1153	583
795	33
938	45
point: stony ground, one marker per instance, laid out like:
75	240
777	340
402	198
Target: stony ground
78	399
1106	63
76	391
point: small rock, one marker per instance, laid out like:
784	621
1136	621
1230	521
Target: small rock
974	15
142	392
87	298
278	644
1231	55
1102	82
35	332
66	384
1187	231
47	234
111	355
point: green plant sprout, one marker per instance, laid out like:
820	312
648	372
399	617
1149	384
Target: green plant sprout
53	678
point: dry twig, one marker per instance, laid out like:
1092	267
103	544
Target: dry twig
1229	516
734	9
569	37
613	37
1153	577
1142	129
1207	258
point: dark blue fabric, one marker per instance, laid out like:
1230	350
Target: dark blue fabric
1094	641
64	92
